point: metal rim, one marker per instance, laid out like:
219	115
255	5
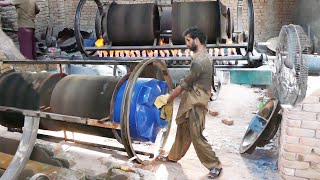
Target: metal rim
230	27
251	26
101	26
251	147
125	110
77	32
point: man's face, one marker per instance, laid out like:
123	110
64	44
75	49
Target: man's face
191	44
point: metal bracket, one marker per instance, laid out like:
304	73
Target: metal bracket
239	15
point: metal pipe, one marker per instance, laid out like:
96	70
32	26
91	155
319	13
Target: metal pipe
127	60
251	26
239	15
165	47
313	64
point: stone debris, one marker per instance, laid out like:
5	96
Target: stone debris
213	113
227	121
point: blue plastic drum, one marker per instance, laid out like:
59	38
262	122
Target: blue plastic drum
145	121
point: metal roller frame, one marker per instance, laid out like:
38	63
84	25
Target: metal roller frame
78	35
103	10
100	20
125	110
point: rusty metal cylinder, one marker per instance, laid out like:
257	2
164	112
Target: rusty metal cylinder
84	96
132	24
204	15
26	91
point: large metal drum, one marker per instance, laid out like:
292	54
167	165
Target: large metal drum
26	91
204	15
132	24
84	96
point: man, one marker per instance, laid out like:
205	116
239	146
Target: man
196	91
26	10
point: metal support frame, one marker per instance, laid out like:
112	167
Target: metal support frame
28	139
130	60
164	47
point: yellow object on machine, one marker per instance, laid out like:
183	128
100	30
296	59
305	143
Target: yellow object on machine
166	108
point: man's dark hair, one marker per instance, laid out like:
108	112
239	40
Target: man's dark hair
195	32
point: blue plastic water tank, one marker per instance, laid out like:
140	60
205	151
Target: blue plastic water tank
145	121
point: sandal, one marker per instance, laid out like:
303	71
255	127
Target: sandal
164	158
214	173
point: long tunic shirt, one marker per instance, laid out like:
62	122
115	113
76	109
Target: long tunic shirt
196	85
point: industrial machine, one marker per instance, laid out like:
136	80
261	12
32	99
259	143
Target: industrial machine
146	38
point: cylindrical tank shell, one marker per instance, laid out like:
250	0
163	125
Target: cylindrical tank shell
204	15
166	19
84	96
26	91
132	24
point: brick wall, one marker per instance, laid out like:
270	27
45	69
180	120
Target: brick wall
299	157
42	17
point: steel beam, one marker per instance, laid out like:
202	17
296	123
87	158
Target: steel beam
165	47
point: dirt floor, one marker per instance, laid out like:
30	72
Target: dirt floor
235	102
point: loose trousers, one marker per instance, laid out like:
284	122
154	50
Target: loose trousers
190	131
27	42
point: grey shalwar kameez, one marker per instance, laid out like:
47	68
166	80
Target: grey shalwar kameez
192	111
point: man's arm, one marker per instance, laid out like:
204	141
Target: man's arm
5	4
176	92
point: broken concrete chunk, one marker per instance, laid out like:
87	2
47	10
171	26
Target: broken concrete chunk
213	113
227	121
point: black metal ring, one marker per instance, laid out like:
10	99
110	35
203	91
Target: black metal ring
251	26
77	32
120	82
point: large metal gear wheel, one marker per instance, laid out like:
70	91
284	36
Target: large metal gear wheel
290	70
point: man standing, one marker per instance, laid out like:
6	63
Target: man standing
26	10
196	91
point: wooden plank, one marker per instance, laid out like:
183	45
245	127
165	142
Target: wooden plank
104	124
52	172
